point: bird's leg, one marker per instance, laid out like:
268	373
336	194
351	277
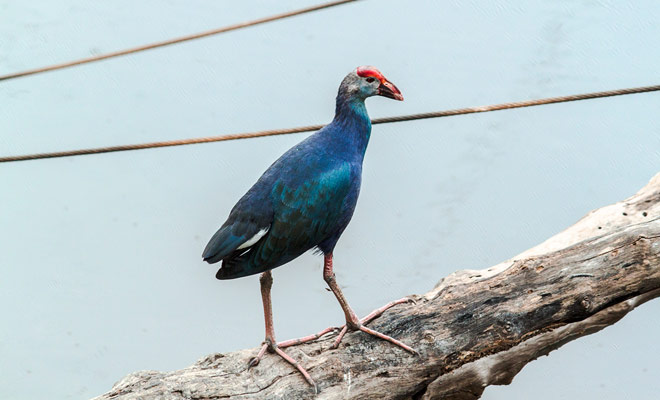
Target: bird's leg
266	281
352	322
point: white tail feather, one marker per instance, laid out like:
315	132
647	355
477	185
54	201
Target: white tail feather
254	239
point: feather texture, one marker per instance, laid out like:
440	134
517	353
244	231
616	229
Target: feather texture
304	200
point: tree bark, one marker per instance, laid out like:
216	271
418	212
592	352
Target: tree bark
474	329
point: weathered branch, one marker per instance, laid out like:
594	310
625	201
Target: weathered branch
474	329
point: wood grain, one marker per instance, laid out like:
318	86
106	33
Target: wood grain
474	329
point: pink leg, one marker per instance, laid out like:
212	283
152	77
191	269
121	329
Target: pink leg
352	321
266	281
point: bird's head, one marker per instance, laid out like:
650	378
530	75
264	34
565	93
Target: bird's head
367	81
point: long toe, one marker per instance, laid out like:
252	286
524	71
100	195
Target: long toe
373	333
373	315
377	312
310	338
299	367
276	349
389	339
255	360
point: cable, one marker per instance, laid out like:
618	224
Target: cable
273	132
174	41
518	104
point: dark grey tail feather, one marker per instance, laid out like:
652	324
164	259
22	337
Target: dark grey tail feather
242	263
221	245
237	266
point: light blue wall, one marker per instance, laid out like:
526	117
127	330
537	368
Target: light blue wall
100	255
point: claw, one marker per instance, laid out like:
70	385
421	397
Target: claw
340	337
254	361
411	300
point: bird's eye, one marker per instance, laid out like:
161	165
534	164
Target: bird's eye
370	79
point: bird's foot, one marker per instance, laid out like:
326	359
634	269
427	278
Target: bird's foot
275	348
360	325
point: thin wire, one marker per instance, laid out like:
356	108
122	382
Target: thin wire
174	41
274	132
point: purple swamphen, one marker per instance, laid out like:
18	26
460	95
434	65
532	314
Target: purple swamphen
305	200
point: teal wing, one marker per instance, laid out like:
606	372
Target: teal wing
304	214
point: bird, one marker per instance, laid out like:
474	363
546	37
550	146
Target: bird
304	201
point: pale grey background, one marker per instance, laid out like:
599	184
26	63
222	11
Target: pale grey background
100	255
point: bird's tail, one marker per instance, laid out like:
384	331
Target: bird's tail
239	265
222	244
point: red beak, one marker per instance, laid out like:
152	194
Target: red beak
387	89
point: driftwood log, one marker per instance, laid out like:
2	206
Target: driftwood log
474	329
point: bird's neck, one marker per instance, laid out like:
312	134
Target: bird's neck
352	124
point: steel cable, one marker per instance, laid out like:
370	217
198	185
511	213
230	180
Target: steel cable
273	132
173	41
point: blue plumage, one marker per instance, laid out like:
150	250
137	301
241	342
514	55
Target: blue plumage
305	199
